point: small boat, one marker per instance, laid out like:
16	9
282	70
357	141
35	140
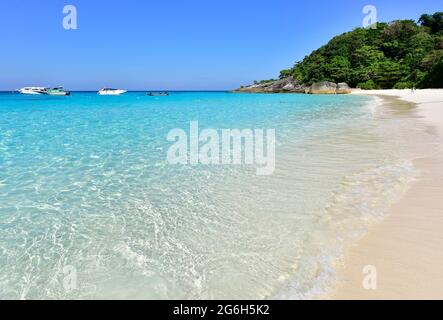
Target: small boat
33	90
57	92
158	94
111	92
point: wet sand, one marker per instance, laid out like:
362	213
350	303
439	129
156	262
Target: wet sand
406	248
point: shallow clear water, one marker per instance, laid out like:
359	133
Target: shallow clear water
85	189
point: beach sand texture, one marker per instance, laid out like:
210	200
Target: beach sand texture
406	248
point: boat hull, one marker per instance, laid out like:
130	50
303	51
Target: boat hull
111	92
31	93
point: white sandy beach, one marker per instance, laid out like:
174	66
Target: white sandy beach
407	246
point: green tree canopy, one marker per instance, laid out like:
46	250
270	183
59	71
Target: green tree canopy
397	54
433	22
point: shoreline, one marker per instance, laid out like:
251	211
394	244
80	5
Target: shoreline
404	247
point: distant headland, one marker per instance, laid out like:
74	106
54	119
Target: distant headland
397	55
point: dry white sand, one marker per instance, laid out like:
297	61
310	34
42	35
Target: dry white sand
406	248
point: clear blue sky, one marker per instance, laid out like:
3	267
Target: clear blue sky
173	44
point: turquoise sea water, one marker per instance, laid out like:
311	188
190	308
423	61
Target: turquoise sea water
85	190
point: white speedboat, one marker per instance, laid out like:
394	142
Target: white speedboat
33	90
111	92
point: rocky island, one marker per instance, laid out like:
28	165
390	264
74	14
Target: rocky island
401	54
290	85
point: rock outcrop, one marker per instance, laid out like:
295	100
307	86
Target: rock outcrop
343	88
324	87
285	85
290	85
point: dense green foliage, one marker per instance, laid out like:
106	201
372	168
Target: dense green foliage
400	54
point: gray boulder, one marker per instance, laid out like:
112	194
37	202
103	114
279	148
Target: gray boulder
293	86
285	85
324	87
343	88
290	86
300	89
281	85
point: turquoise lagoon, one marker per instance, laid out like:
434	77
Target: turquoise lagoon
88	198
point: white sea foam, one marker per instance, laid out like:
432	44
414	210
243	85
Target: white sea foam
362	199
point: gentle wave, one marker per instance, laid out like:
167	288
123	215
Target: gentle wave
84	183
362	199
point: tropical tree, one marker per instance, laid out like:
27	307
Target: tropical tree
433	22
401	54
